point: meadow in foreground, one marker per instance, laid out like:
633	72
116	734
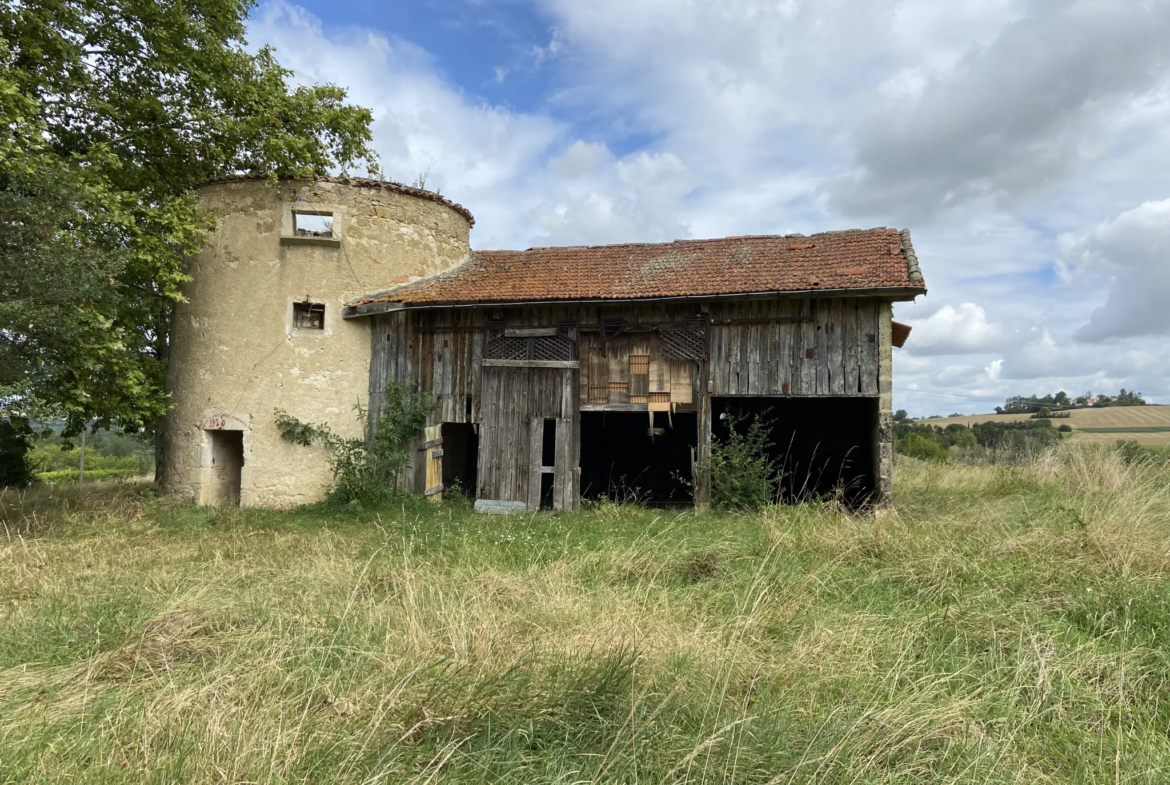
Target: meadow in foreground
1003	625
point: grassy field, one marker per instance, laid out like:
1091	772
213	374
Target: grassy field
1003	625
1135	423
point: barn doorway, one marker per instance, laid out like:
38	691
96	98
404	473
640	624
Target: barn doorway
225	451
625	459
823	446
460	457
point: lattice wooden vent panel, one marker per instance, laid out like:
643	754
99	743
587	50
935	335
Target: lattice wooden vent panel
684	344
659	397
552	347
598	393
502	348
621	387
542	347
639	363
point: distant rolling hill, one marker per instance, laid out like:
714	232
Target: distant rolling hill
1144	424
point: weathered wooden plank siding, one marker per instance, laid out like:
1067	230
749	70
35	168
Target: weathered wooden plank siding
868	328
836	352
859	312
783	346
828	354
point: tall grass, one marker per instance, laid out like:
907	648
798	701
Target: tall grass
1004	624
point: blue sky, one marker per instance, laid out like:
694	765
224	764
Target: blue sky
484	48
1026	144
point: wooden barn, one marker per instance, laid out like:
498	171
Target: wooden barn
571	372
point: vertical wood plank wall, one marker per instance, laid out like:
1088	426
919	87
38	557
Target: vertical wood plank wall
783	346
834	352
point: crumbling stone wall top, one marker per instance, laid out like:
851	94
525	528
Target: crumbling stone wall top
357	182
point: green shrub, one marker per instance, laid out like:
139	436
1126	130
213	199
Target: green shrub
1132	452
932	443
918	445
743	474
51	458
366	470
16	465
1016	441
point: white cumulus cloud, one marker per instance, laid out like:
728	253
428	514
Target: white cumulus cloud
957	330
1131	253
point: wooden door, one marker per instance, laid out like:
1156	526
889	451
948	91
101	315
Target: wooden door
433	449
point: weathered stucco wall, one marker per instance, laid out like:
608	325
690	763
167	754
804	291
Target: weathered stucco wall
235	352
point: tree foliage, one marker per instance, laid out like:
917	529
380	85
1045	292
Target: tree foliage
1025	404
16	470
112	111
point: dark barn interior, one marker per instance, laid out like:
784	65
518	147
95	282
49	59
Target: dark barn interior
622	459
460	457
821	445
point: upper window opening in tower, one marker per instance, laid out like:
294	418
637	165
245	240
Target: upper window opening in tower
309	316
313	224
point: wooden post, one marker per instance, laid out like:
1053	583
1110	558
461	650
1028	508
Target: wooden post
702	468
885	434
535	462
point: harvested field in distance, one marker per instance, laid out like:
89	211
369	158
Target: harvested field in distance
1004	625
1109	417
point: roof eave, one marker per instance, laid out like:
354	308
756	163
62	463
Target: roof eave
891	293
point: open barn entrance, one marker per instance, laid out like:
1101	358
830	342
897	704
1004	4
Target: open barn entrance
624	459
460	457
823	446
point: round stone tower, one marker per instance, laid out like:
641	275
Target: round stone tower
262	327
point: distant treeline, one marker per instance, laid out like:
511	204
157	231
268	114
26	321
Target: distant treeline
996	440
1027	404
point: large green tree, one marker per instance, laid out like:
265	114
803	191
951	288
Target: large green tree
111	111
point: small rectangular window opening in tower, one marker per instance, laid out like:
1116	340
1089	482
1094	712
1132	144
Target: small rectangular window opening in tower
309	316
313	224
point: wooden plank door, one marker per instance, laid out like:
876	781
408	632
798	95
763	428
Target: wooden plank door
433	447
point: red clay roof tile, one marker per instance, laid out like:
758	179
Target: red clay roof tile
859	259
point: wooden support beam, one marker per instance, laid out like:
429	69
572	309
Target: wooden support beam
614	407
530	364
529	332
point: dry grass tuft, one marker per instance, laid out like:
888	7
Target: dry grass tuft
702	565
175	638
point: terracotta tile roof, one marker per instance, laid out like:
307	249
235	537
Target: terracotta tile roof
852	260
